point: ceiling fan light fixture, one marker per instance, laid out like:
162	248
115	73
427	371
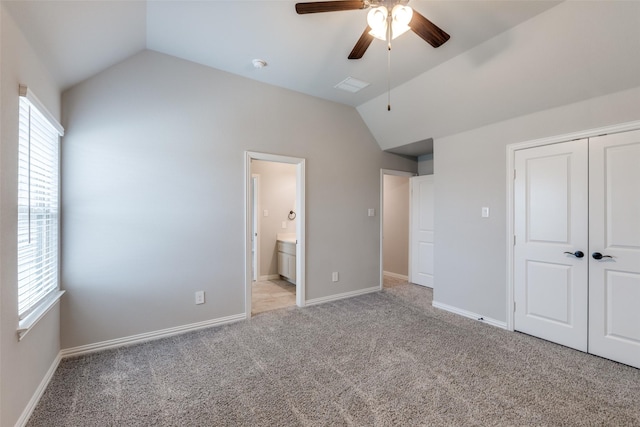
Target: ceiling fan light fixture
377	20
400	17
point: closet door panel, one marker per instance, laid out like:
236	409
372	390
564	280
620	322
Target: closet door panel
551	224
614	233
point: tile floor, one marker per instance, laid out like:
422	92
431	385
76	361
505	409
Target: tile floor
267	295
390	282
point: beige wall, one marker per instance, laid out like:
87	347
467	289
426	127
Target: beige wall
395	229
278	197
23	364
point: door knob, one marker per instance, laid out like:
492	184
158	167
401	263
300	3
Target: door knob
598	255
577	254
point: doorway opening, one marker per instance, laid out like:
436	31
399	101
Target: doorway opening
274	232
395	208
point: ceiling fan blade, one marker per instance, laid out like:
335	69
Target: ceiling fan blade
329	6
426	29
362	44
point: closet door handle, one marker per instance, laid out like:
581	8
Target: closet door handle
598	255
577	254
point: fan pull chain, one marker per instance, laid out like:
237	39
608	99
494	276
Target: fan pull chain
389	68
389	77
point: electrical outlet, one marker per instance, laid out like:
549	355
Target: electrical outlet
334	276
284	225
200	297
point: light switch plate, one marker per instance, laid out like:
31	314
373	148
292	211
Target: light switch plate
265	213
372	212
485	212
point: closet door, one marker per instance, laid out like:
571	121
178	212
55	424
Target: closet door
551	225
614	227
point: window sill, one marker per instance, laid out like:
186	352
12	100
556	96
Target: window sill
26	324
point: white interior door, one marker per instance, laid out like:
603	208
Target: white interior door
614	279
422	233
551	224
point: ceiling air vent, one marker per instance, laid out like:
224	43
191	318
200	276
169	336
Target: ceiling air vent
351	85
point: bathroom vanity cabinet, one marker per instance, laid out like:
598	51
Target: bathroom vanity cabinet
287	260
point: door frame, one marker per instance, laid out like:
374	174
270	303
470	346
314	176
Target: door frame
300	223
255	226
511	149
384	172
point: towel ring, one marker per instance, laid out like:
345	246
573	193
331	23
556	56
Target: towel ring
292	215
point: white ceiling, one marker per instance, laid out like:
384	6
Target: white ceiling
305	53
576	51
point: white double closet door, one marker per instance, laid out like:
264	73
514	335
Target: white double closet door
577	244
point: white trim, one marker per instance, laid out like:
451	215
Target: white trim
511	149
255	179
300	233
149	336
344	295
384	172
300	223
269	277
25	325
470	315
25	92
396	275
37	395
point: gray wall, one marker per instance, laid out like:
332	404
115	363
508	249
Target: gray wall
23	364
395	227
425	164
470	256
153	194
278	196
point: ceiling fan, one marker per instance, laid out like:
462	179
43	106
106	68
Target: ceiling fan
386	20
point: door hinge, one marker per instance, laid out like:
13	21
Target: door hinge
514	240
514	306
514	174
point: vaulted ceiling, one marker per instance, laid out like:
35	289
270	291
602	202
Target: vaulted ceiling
305	53
505	58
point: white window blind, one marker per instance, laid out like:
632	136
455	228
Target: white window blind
38	208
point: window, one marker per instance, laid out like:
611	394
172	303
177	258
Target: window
38	210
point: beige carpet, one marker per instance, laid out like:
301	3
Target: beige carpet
380	359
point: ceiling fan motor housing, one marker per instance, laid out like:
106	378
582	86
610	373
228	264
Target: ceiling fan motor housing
386	3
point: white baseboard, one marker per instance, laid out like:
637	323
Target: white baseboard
395	275
344	295
269	277
470	315
148	336
24	417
